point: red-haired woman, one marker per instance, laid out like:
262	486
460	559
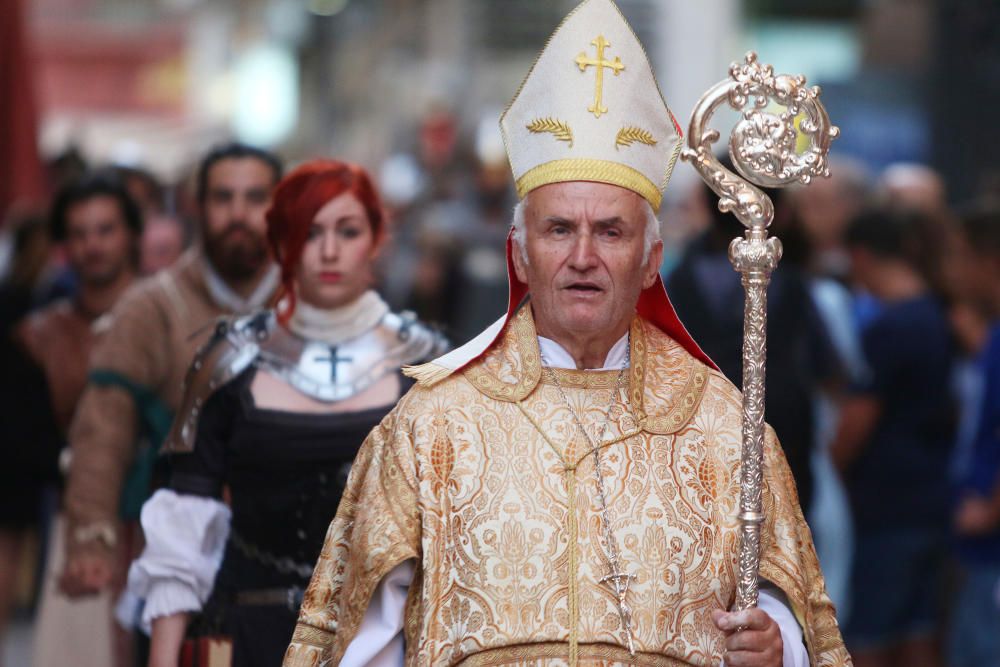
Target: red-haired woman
276	407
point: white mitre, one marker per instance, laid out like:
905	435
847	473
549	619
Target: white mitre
590	110
573	120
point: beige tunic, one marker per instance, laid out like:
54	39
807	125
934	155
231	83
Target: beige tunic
59	339
152	334
67	631
483	479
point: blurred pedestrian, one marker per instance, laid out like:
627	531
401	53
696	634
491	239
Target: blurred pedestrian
709	298
975	622
914	187
162	244
145	188
285	453
423	263
825	208
481	293
99	225
27	276
136	372
893	445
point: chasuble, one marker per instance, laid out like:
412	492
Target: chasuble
482	478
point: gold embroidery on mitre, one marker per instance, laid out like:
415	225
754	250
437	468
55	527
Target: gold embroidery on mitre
616	66
590	169
557	128
630	134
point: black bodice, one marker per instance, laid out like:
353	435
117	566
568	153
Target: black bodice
283	474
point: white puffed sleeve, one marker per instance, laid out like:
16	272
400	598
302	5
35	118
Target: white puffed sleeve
185	540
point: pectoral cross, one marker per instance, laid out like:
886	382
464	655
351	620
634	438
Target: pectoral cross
618	582
334	361
600	63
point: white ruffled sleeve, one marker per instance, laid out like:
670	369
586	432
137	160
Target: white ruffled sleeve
185	540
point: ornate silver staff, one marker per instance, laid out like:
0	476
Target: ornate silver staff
763	149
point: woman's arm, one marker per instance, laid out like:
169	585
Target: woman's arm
166	640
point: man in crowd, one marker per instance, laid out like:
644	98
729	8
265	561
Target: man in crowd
893	445
564	488
99	225
709	296
974	641
162	244
136	372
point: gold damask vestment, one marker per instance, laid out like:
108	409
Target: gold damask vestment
504	522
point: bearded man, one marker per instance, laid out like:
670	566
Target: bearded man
564	489
137	370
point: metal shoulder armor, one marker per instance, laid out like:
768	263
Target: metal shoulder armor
417	341
233	347
331	373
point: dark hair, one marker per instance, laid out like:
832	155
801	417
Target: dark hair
888	232
94	184
891	232
157	195
234	151
981	226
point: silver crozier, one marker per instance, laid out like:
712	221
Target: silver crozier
774	111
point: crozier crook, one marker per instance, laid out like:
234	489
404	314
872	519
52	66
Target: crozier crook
763	149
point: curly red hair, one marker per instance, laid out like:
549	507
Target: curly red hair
298	198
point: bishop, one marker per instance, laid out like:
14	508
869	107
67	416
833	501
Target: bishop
564	488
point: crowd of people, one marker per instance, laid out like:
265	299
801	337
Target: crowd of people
883	384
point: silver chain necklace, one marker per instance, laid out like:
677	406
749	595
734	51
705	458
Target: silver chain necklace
616	579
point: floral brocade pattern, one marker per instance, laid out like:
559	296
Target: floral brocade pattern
459	478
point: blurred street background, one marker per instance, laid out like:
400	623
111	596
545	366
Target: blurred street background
413	89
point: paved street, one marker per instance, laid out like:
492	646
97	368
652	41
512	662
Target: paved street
17	647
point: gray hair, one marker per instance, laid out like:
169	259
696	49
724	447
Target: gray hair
652	230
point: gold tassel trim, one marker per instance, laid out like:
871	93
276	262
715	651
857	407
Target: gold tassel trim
427	375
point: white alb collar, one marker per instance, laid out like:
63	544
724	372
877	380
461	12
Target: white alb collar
555	356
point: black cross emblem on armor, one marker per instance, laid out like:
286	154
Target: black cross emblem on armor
334	361
404	328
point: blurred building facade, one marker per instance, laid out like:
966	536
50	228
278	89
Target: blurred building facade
154	81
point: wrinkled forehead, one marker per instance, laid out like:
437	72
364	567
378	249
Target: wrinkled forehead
584	201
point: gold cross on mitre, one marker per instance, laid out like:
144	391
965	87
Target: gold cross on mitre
590	124
600	63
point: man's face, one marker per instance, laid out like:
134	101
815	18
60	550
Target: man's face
161	245
99	243
980	279
585	268
237	193
825	208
